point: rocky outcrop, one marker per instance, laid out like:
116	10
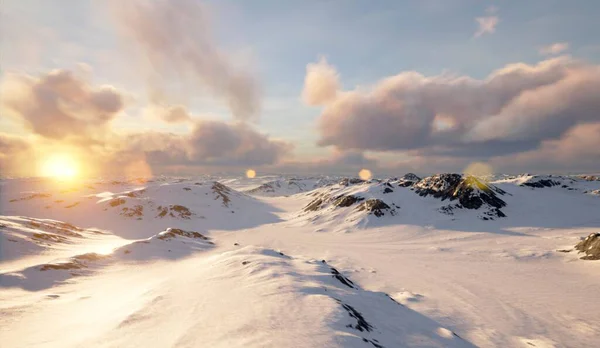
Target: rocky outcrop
222	192
171	233
590	246
175	211
410	177
471	192
408	180
542	181
376	207
346	200
351	181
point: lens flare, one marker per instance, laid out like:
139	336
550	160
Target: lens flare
59	166
250	173
479	169
365	174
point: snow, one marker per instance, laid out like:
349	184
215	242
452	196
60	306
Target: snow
241	267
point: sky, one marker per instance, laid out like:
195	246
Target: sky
309	87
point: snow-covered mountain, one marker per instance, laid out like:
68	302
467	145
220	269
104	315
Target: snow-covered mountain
291	186
208	204
443	261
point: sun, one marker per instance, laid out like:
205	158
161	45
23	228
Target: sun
60	166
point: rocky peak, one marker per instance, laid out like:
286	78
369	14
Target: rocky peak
470	191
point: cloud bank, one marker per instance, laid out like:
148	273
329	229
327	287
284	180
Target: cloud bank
516	109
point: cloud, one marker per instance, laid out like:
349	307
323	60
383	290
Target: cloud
320	84
339	162
169	114
210	143
487	24
62	112
13	150
513	110
576	151
60	104
554	49
175	38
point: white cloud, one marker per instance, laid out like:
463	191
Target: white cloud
487	25
320	84
555	48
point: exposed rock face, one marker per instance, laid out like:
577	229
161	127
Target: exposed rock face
541	181
116	202
73	263
135	211
315	204
408	180
471	192
174	211
590	246
136	193
346	200
222	192
171	233
32	196
590	177
268	187
410	177
351	181
376	207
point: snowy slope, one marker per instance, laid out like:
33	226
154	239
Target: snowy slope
199	264
291	186
261	297
136	210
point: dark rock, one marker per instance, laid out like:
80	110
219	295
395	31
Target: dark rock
50	237
314	205
116	202
136	193
174	211
337	275
175	232
32	196
361	323
388	190
223	192
136	211
590	246
346	200
471	192
410	177
351	181
376	207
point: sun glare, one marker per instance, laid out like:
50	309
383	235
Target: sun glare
365	174
60	167
250	173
